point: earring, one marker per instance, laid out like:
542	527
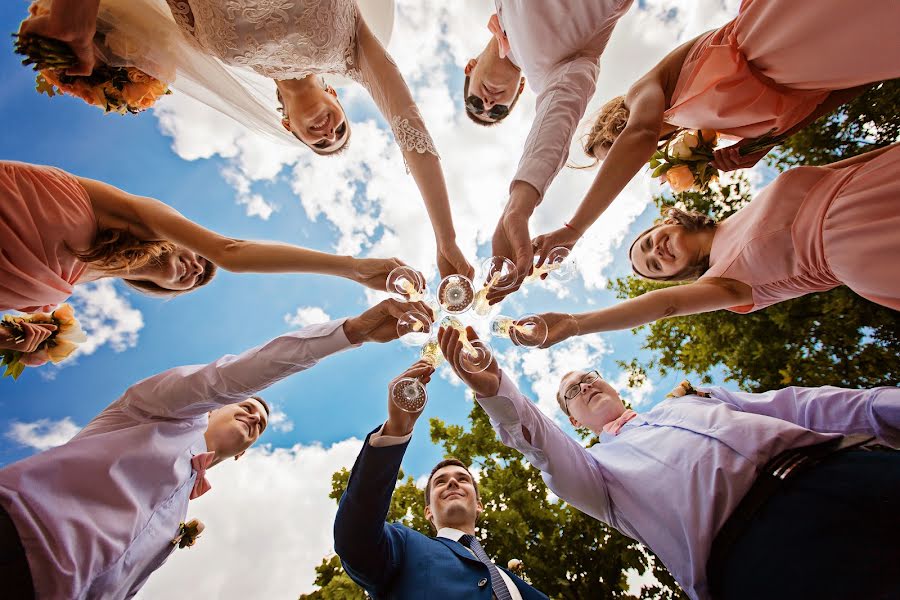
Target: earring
286	123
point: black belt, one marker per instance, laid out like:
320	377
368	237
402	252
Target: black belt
783	467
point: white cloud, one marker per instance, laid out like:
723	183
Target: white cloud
268	525
279	421
306	315
106	317
43	433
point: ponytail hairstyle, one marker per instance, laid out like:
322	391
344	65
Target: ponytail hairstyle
692	221
117	249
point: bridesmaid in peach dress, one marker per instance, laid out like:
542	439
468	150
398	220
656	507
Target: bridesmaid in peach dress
810	230
58	230
775	68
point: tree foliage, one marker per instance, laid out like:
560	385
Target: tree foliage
833	338
566	553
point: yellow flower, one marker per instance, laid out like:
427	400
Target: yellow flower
680	178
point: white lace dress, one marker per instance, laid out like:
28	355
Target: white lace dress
291	39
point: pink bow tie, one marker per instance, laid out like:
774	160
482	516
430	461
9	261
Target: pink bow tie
502	40
201	462
613	427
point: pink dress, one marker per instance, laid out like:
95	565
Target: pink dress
778	59
42	209
813	229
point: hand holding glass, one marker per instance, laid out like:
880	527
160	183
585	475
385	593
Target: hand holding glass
475	356
530	331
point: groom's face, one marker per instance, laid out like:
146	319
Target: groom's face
453	498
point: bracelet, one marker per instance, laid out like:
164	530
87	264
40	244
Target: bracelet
573	229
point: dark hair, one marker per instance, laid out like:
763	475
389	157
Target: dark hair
343	148
447	462
690	220
115	249
482	122
264	404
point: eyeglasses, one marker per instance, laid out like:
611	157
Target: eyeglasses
575	389
475	105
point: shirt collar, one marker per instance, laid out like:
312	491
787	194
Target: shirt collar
450	533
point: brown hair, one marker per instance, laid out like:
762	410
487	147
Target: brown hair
116	249
690	220
608	125
560	398
448	462
265	404
482	122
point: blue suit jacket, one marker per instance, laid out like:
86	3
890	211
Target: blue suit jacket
390	560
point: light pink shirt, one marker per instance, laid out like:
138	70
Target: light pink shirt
96	515
557	44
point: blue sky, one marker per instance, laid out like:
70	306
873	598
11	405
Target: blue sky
345	396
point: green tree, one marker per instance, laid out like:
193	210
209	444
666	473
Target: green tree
566	553
833	338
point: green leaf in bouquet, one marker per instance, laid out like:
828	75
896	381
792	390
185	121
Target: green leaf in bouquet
658	155
654	163
660	170
701	171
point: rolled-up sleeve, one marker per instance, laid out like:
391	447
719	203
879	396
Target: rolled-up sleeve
560	106
190	391
570	470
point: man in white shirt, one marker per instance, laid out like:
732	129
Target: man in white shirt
390	560
93	518
557	45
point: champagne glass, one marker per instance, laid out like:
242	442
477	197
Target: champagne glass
530	331
407	283
559	265
456	294
475	356
431	352
414	328
499	274
408	394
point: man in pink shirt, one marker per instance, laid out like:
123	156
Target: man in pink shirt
557	45
93	518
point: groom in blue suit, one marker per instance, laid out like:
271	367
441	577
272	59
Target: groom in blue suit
390	560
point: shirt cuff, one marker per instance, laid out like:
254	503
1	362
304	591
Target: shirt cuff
501	407
329	338
377	440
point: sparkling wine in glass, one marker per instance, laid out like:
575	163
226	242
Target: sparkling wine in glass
500	274
414	328
475	356
407	283
559	265
530	331
431	353
456	294
408	394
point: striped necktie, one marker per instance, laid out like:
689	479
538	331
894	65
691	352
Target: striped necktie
497	584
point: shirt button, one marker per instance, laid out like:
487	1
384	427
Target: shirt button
482	583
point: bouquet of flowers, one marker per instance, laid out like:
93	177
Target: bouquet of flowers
55	349
114	89
684	160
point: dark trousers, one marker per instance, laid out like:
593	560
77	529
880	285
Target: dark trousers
831	532
15	576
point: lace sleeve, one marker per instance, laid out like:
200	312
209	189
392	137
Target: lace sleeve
410	133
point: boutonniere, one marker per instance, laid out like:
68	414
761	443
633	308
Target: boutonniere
686	389
188	533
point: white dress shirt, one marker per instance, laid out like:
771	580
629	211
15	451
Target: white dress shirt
672	476
557	44
97	515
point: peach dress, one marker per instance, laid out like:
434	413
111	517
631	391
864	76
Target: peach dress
778	59
42	209
813	229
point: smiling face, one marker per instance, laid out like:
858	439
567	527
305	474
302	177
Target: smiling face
317	119
178	271
665	251
235	427
594	405
492	90
452	499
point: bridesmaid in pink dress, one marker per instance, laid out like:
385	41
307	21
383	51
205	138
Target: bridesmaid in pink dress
58	230
775	68
810	230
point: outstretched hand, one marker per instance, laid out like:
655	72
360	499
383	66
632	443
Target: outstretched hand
451	261
73	22
730	158
560	327
512	240
400	422
373	272
485	383
564	237
35	334
379	323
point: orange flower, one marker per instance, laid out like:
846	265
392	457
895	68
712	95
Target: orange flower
138	76
143	95
680	178
710	136
61	350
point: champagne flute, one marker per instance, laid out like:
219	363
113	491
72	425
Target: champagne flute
414	328
456	294
431	352
407	283
559	265
530	331
475	356
500	274
408	394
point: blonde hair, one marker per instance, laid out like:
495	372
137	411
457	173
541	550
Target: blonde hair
690	220
118	249
608	125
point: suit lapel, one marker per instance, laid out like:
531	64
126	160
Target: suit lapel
458	549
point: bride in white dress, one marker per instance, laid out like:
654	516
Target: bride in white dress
207	48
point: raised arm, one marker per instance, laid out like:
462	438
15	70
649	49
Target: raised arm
150	219
380	75
827	409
